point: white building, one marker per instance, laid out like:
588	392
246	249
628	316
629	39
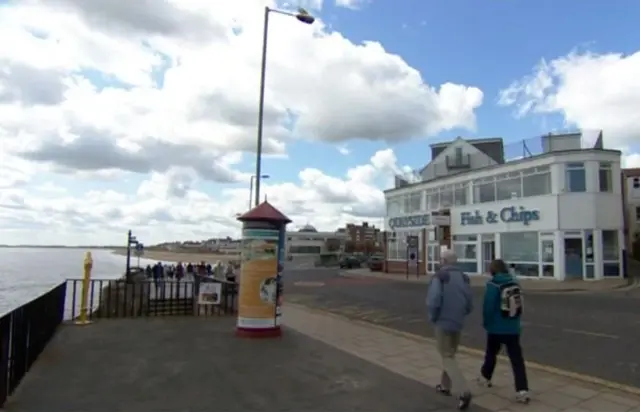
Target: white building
309	242
557	214
631	188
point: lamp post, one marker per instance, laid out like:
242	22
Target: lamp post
251	187
131	240
304	17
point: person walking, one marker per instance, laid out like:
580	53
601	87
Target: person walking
501	312
449	301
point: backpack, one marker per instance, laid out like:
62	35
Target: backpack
511	299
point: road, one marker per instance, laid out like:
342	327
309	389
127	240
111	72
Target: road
592	334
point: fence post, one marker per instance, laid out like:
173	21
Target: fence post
86	280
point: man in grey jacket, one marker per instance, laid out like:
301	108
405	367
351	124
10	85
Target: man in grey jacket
449	301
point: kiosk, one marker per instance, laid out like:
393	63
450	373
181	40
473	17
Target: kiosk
260	295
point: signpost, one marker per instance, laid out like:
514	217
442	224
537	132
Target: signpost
413	249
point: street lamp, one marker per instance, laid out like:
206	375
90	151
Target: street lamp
251	187
302	16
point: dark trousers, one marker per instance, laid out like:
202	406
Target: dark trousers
514	352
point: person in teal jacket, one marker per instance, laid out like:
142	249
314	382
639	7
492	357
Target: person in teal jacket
501	312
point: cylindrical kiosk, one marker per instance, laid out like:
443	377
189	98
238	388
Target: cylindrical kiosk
260	295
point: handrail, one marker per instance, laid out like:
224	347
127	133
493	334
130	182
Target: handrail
24	333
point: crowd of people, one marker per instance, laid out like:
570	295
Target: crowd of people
450	301
179	271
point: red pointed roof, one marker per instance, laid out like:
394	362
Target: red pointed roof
265	211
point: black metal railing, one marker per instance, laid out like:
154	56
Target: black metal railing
119	299
24	333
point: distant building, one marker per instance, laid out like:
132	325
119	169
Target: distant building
363	234
631	193
309	242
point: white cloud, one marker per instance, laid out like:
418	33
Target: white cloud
166	91
351	4
591	91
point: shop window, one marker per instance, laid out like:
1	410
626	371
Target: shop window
610	253
484	192
309	250
547	258
638	213
610	249
605	177
520	249
413	202
576	177
536	184
465	251
636	182
510	188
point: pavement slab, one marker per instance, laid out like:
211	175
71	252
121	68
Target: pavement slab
416	358
197	364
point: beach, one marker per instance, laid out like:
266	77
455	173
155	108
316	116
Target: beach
185	257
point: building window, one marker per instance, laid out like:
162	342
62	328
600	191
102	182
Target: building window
576	177
397	245
433	201
605	177
509	187
446	196
307	250
536	181
484	191
610	253
394	206
460	194
636	182
638	213
520	249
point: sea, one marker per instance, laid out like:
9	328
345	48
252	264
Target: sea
27	273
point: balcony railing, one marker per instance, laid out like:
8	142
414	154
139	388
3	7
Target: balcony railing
459	162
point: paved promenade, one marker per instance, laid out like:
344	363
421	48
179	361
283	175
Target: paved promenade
198	365
415	358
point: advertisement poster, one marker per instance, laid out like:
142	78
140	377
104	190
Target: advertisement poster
210	293
258	280
280	282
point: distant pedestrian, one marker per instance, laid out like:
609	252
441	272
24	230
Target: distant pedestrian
501	312
449	301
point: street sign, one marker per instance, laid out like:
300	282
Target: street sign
412	256
139	249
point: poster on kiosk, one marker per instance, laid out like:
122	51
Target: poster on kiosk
260	294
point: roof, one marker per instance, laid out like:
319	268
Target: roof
264	212
631	172
308	228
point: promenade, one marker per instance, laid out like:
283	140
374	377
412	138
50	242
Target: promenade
196	364
323	362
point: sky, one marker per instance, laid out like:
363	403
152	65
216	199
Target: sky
142	115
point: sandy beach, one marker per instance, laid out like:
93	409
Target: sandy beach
167	256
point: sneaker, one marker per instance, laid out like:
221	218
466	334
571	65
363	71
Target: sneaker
523	397
464	401
443	391
482	381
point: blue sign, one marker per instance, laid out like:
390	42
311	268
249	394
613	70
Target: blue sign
139	247
409	221
510	214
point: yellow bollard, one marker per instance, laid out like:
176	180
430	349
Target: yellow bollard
84	299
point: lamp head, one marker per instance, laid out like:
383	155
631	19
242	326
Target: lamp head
304	16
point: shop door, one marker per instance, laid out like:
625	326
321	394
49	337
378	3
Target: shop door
488	255
573	263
